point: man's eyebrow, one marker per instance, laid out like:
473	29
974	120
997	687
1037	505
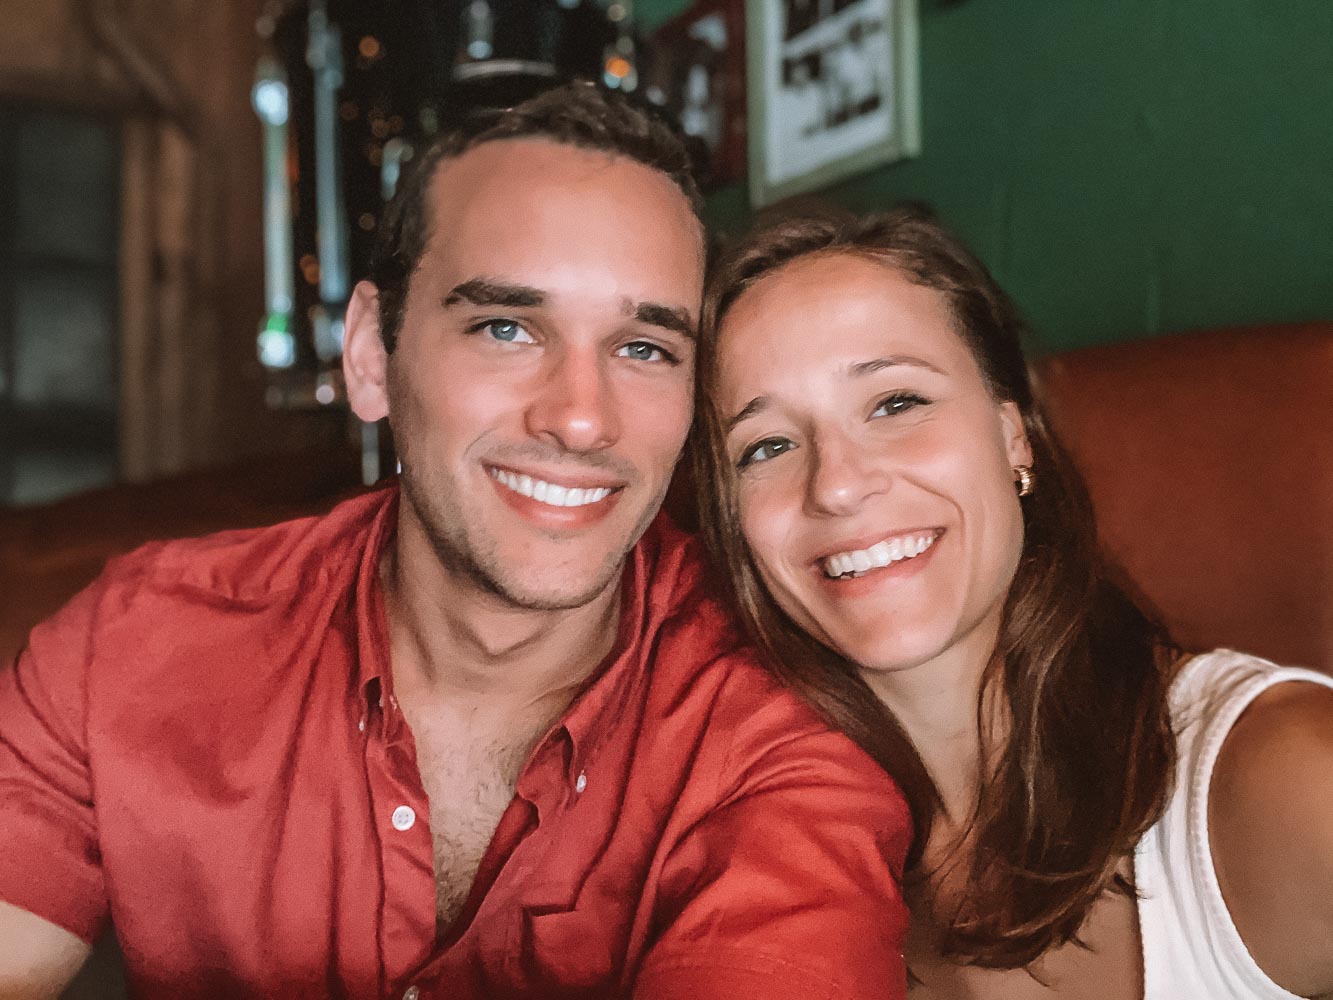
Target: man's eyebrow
892	361
756	405
485	292
667	317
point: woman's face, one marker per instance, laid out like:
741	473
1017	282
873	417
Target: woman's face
875	470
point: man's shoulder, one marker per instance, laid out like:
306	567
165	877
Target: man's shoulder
669	563
204	607
167	589
701	654
758	724
251	564
751	746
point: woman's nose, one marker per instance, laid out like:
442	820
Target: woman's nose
841	476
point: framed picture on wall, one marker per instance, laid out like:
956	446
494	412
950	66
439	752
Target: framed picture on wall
833	91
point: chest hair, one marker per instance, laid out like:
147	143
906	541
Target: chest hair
469	779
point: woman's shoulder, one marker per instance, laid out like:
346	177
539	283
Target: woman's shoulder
1212	690
1236	877
1267	736
1270	823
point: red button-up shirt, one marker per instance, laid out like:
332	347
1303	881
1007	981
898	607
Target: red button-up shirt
205	747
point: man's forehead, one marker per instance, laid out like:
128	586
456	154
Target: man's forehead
530	170
587	227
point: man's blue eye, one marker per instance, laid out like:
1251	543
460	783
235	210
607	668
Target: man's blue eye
506	331
642	350
763	451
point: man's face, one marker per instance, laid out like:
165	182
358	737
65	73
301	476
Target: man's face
541	388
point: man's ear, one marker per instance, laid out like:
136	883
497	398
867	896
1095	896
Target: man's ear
365	362
1016	445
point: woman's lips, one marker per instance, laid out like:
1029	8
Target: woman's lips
890	550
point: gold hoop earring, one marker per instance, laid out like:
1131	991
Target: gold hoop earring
1023	479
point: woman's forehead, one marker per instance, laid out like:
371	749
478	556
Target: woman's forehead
832	313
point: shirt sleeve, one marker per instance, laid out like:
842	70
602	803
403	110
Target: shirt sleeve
792	886
49	859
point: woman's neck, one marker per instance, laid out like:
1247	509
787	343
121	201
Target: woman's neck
937	703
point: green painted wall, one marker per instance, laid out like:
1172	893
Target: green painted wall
1126	167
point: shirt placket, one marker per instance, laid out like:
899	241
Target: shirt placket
401	820
477	955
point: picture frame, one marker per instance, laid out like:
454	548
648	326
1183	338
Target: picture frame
833	90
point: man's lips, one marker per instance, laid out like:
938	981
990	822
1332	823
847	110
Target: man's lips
550	491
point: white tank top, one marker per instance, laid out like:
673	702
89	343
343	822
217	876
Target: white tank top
1191	948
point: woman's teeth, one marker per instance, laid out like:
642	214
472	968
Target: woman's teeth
879	555
550	493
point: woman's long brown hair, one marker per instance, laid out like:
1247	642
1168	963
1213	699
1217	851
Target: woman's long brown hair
1086	763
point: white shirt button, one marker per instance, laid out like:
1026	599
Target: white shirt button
411	993
581	782
404	817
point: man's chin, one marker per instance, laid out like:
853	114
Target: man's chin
539	570
562	594
541	577
563	572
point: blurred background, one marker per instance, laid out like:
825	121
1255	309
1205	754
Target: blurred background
1127	169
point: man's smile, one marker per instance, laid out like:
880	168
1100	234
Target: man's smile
550	493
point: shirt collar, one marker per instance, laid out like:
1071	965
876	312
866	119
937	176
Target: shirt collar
591	716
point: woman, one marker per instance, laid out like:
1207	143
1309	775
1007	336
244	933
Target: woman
910	547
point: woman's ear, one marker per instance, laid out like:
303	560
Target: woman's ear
365	362
1016	445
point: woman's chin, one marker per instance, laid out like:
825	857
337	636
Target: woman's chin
882	654
952	653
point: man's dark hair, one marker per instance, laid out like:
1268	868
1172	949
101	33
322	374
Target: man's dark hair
576	114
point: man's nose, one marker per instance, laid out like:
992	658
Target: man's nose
575	407
842	476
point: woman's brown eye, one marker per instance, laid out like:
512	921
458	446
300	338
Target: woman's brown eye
764	450
898	402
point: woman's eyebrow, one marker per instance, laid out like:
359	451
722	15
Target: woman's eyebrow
858	368
756	405
892	361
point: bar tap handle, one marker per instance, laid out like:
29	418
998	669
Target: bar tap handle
277	339
324	56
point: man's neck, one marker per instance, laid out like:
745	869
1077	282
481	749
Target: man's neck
453	641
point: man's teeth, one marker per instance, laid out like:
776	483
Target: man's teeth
550	493
878	555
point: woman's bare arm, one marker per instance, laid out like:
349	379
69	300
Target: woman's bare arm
1270	817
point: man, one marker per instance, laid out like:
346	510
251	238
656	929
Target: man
483	734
